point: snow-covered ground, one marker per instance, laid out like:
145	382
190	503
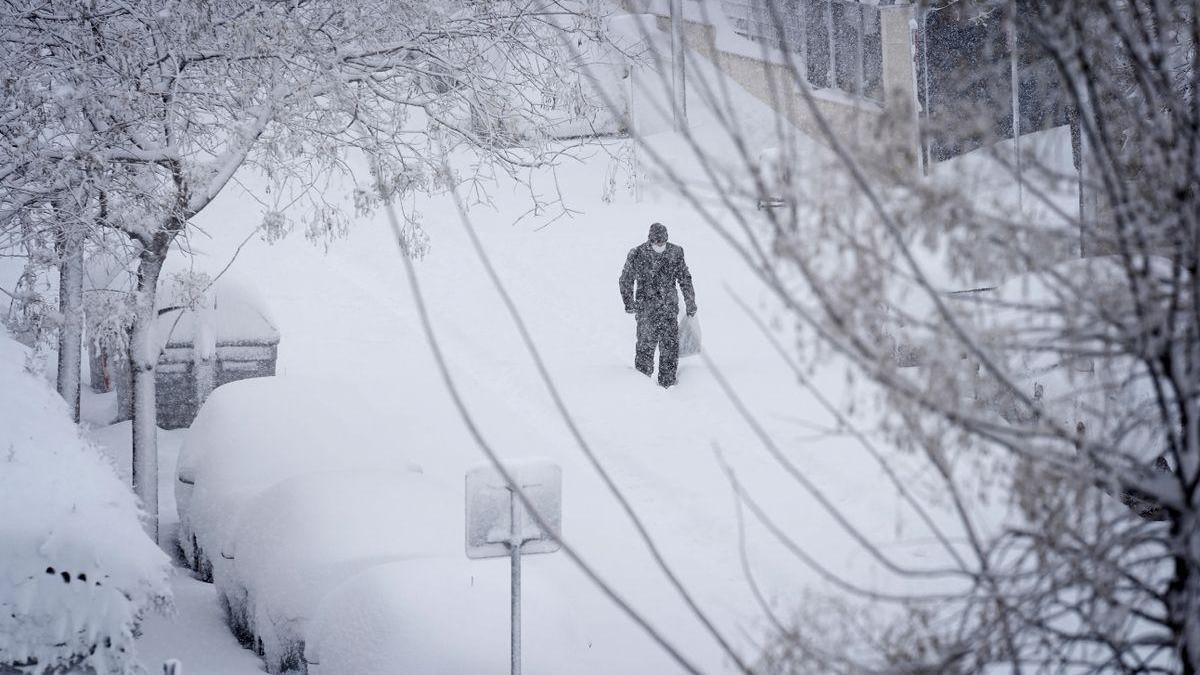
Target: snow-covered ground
330	497
347	319
365	386
352	340
196	632
197	635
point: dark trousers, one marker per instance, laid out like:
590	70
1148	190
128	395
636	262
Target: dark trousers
659	330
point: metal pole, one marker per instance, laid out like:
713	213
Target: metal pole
928	144
678	83
913	67
633	138
1016	98
802	12
514	548
831	74
859	61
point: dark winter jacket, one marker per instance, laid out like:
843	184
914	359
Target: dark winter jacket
655	275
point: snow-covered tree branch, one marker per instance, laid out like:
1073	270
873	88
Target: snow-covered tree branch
1025	326
160	105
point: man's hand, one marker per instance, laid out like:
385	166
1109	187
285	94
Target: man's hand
692	311
630	310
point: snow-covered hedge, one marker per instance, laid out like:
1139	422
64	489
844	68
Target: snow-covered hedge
77	572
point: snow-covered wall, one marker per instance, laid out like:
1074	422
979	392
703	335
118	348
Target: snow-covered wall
767	74
77	572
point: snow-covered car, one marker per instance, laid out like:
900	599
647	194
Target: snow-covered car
407	617
252	434
305	535
284	489
298	494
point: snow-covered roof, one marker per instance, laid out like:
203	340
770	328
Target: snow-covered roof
235	317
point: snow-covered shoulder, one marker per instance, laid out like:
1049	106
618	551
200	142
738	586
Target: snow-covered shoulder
77	572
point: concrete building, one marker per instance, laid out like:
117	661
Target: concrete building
857	59
918	84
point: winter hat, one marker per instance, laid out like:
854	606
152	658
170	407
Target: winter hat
658	233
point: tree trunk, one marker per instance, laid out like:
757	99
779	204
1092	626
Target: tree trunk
143	357
70	305
122	378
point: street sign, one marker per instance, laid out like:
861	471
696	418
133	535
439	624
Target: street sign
489	508
498	523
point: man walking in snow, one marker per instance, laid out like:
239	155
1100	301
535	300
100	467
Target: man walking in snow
648	291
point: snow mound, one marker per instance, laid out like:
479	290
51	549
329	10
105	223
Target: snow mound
77	572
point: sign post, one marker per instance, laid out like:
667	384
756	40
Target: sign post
498	525
514	552
678	82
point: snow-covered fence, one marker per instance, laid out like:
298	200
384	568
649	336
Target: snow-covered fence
754	19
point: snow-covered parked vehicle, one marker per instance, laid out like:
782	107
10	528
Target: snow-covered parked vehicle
77	571
286	491
329	523
304	536
254	433
407	617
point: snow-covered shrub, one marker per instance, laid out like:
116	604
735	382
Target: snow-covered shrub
77	572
